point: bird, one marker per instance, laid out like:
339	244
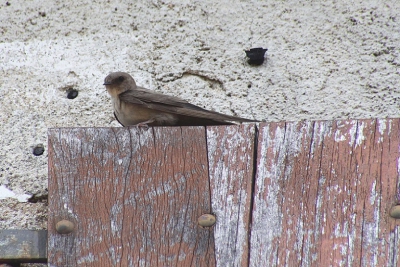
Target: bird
138	106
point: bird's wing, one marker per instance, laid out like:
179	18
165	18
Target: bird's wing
171	104
115	115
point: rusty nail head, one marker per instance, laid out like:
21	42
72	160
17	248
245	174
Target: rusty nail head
206	220
64	227
395	212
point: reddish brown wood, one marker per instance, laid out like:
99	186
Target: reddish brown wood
231	164
133	195
323	192
321	196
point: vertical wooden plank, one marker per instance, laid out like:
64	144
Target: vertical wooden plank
133	195
231	160
322	194
278	146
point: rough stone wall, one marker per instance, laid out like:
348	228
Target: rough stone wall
326	60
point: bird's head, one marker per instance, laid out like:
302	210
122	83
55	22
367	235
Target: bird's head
119	82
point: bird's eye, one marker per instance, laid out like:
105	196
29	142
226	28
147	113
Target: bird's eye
121	78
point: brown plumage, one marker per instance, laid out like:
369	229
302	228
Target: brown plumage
134	105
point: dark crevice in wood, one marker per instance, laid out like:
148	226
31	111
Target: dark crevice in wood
253	188
208	170
210	197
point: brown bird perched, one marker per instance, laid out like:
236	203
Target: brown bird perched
134	105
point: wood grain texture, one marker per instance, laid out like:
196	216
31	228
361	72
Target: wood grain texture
231	160
322	195
134	196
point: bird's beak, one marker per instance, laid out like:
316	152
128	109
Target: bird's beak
106	83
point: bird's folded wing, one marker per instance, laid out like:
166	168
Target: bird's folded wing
171	104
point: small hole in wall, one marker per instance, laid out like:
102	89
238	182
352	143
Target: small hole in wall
72	93
38	150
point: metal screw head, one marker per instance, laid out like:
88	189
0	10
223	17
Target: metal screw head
206	220
395	212
64	227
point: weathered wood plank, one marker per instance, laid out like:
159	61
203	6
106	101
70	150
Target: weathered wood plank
133	195
17	246
323	192
231	164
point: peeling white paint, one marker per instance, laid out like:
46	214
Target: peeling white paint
340	136
381	128
231	230
374	194
321	131
87	259
359	134
116	218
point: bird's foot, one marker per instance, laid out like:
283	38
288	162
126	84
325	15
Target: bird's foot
144	124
